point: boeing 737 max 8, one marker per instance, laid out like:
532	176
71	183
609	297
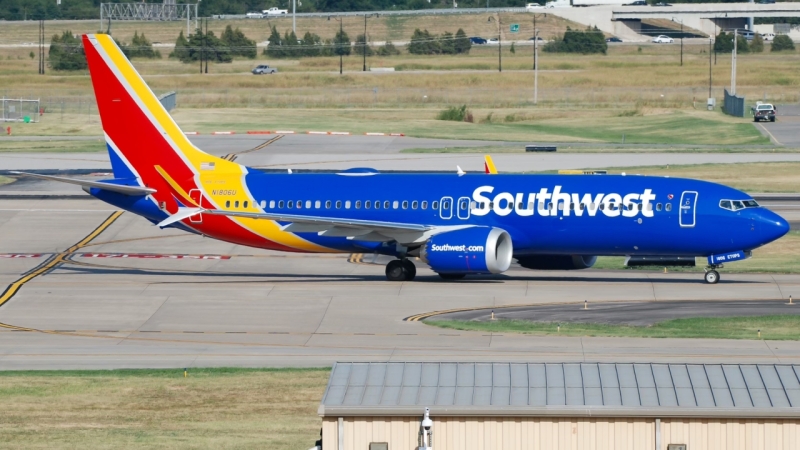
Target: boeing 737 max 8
457	223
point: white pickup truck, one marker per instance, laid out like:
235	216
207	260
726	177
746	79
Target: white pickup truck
275	12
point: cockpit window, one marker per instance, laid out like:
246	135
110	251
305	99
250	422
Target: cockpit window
735	205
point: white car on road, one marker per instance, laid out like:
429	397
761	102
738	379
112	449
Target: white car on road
661	39
254	15
275	12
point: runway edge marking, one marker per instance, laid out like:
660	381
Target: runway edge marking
53	262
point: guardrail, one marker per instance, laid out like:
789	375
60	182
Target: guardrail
416	12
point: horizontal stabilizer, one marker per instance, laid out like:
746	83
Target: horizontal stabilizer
119	188
183	213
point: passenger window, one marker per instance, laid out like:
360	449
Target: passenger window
280	204
737	205
367	204
550	206
317	204
347	204
414	204
560	206
245	204
491	205
725	204
463	205
446	204
395	204
263	204
327	204
358	204
435	205
236	204
377	204
602	206
640	206
227	204
659	206
669	207
386	204
299	204
405	204
308	204
338	204
272	204
424	204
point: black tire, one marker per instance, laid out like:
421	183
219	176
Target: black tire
772	119
712	277
410	268
395	271
452	276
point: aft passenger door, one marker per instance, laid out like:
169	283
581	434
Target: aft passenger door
688	207
197	197
446	208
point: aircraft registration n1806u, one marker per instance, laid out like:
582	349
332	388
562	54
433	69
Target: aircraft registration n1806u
457	223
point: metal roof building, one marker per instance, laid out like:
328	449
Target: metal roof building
563	405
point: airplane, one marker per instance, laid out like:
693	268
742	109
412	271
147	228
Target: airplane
457	223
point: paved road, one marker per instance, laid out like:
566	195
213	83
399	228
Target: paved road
261	308
629	313
786	130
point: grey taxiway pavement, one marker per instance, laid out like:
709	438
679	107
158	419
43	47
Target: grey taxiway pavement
95	289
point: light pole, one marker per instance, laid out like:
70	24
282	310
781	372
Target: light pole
733	62
681	21
338	44
535	68
364	47
499	42
535	40
710	43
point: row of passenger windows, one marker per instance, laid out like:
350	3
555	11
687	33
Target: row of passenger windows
735	205
463	205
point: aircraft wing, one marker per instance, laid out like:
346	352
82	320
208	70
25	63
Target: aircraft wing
120	188
365	230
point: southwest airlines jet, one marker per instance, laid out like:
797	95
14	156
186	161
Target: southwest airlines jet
459	224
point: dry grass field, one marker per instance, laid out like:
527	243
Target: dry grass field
212	408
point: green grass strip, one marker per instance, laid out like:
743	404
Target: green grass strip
778	327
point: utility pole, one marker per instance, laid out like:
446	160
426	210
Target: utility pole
199	31
681	42
364	46
733	62
41	47
338	43
710	41
499	42
205	37
535	67
294	16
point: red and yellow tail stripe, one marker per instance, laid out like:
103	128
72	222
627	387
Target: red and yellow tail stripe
158	151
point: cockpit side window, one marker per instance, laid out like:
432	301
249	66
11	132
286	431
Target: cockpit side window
737	205
726	204
750	204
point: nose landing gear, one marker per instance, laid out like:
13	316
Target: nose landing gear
401	270
712	276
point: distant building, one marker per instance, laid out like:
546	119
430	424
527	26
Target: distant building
576	406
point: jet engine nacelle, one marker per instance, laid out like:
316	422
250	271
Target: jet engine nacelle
557	262
469	250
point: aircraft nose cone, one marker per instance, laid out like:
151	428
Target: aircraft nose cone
771	226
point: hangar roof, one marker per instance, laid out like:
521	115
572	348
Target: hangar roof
563	389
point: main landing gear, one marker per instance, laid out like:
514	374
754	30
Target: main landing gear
712	276
401	270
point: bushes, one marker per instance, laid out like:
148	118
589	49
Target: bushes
757	45
724	43
388	50
361	47
289	46
588	41
140	48
425	43
456	114
66	52
199	44
238	43
781	43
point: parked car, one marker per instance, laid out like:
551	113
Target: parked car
493	41
637	3
661	4
766	2
745	33
764	111
661	39
275	12
254	15
768	36
531	6
263	69
537	38
613	39
477	40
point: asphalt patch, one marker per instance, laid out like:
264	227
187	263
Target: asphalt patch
629	313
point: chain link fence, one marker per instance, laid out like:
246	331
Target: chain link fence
20	110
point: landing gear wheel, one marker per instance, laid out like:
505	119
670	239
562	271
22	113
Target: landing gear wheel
410	269
452	276
712	277
396	271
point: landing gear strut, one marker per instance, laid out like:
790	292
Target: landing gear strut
712	276
401	270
